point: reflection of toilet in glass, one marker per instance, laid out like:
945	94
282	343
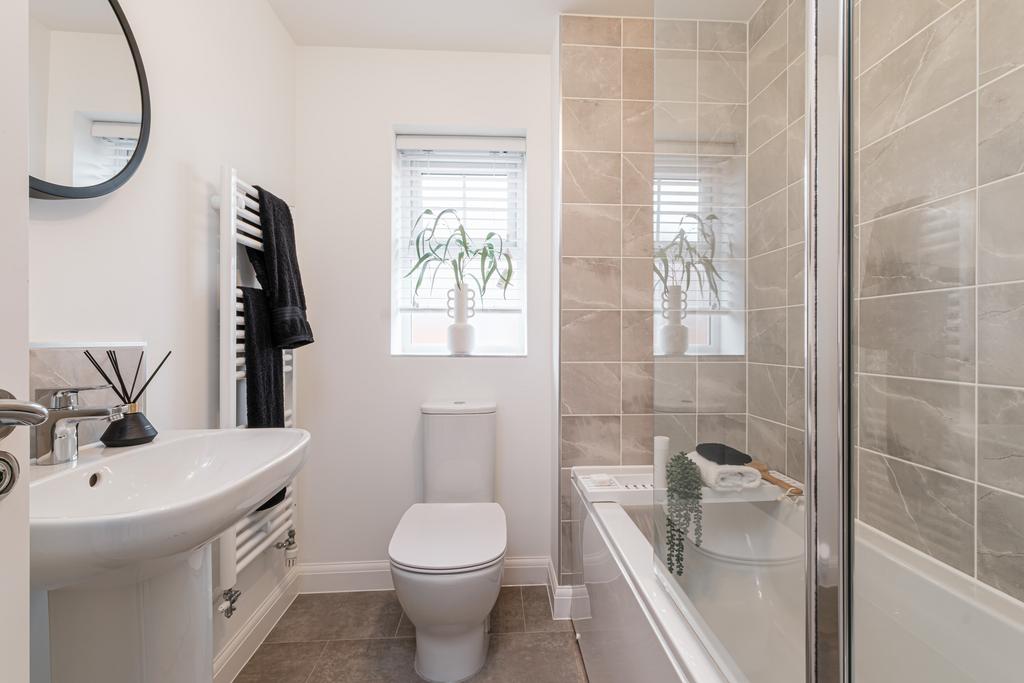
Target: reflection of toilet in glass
447	553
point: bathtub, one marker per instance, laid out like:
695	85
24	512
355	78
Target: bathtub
737	615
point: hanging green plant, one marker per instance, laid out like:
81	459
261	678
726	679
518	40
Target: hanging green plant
684	509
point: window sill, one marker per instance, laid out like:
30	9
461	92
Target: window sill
445	354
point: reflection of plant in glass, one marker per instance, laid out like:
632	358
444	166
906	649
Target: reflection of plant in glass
684	509
687	256
454	248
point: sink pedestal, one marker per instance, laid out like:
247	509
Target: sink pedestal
159	630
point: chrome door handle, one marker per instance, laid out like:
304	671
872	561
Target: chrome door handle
14	413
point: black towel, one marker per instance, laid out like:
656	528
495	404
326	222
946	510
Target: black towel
277	269
264	366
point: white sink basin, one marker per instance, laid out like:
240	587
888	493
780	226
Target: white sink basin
121	509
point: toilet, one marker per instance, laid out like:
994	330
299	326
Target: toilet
447	552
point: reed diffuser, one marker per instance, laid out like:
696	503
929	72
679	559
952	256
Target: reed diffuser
135	428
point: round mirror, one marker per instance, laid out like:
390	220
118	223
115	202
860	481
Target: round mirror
89	100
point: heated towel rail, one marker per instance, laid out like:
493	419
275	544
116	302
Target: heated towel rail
240	226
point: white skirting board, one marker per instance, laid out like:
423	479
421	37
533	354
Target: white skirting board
567	602
234	655
341	577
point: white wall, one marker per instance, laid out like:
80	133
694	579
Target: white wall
360	403
38	93
141	264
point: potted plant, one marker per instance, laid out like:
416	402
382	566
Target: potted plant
474	265
677	264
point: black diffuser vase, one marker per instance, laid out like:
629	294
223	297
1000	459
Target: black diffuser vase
131	430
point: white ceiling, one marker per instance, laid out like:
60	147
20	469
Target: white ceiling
87	16
477	25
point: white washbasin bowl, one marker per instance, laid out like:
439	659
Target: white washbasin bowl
125	509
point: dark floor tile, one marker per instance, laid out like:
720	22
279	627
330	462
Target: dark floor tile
537	611
533	657
405	627
507	615
389	660
281	663
339	616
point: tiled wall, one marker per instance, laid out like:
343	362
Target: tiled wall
635	94
940	269
775	266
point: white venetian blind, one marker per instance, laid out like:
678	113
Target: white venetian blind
482	179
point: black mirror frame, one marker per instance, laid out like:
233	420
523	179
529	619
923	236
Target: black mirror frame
41	189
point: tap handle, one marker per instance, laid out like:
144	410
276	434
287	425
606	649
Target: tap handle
67	397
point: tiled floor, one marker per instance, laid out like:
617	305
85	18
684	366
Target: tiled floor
365	638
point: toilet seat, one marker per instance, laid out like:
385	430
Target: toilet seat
449	538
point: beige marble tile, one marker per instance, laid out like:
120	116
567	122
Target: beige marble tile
591	178
767	226
795	258
934	68
797	29
766	391
637	74
637	336
796	408
730	173
1000	238
591	72
722	129
638	283
675	127
637	231
1000	331
795	338
766	441
723	36
795	213
768	169
637	439
637	32
581	30
675	34
675	75
637	388
1001	438
675	387
590	336
722	387
768	58
728	429
928	335
591	230
681	431
929	247
722	78
796	154
1001	49
885	25
638	126
796	84
590	440
591	283
637	178
766	334
1001	128
592	125
768	112
908	168
927	423
766	15
1001	541
796	456
766	280
930	511
590	388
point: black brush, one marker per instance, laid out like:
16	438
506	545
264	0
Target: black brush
112	357
144	386
106	378
720	454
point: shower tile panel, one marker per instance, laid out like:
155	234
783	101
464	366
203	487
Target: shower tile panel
768	57
1000	237
1001	541
1001	128
722	77
723	36
723	129
768	224
592	125
1001	438
885	24
675	34
1001	49
580	30
1000	334
591	72
591	230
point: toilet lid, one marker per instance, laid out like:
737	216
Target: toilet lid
449	536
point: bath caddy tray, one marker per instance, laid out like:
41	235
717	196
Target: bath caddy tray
634	485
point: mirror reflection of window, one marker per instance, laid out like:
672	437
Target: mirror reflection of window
85	103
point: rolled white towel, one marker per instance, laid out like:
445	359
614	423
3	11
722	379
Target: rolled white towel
725	477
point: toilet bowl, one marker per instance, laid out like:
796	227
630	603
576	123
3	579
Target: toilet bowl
446	563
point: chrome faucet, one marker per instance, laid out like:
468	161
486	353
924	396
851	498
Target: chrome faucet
57	438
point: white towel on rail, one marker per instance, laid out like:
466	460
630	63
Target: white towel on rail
725	477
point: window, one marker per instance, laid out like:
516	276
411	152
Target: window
482	179
686	189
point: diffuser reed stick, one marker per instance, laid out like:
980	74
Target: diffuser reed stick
106	377
144	386
120	388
